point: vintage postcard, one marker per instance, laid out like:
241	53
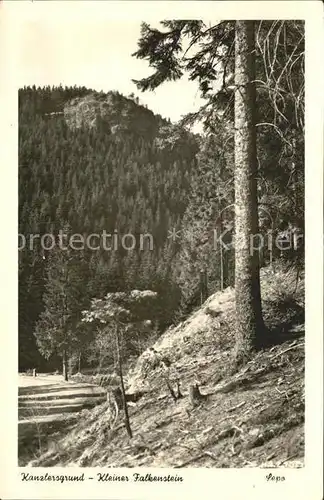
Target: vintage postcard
162	319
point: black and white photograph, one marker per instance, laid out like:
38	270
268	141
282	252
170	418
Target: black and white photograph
161	244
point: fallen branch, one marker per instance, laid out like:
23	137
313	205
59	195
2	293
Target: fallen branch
211	455
194	459
289	349
287	459
232	384
188	462
237	406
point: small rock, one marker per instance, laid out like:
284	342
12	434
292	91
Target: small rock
254	432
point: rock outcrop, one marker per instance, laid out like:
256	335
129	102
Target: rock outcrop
111	112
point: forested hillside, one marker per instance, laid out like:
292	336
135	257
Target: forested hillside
129	172
155	261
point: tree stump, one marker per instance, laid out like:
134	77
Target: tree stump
169	386
179	394
117	394
195	395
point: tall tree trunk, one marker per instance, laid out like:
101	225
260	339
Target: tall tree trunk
221	267
203	286
224	255
65	366
261	256
249	327
122	386
79	363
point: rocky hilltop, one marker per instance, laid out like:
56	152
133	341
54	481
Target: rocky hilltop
113	112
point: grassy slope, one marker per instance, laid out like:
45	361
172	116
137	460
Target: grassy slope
251	416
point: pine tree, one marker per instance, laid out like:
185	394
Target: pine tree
123	311
64	299
162	49
249	328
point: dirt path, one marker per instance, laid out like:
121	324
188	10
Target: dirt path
50	395
42	379
47	403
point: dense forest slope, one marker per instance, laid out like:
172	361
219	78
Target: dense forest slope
91	162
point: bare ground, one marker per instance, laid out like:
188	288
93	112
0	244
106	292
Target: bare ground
251	416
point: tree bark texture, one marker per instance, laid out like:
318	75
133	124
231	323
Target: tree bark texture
249	322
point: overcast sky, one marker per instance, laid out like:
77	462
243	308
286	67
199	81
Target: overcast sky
97	55
90	43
